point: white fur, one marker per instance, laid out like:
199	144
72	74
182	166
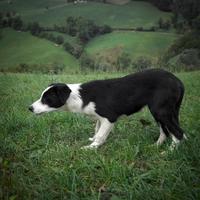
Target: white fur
97	126
175	143
74	102
102	134
39	107
161	138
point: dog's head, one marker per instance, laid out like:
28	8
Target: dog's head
52	98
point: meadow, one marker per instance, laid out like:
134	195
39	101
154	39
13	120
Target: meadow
18	48
49	12
22	48
136	44
40	156
23	52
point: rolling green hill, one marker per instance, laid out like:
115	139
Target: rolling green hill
23	48
134	14
149	44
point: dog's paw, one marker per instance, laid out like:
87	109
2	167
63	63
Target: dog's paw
91	139
94	145
88	147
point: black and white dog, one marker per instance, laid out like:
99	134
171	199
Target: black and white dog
107	100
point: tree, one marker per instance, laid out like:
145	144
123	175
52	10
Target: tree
123	61
160	22
59	40
87	62
17	23
34	28
188	9
71	26
68	47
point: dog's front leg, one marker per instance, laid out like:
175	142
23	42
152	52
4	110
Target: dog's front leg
102	134
97	126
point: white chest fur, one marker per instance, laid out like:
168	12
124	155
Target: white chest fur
75	103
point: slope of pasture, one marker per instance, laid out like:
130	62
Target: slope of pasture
40	156
24	6
133	14
149	44
23	48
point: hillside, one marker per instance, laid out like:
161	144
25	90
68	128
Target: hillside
23	48
149	44
49	12
108	47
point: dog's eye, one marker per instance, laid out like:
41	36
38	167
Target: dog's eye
49	101
46	100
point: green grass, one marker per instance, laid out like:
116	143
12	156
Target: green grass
22	47
150	44
133	14
40	156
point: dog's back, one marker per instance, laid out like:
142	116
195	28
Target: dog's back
126	95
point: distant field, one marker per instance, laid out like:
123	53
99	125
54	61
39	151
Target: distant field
149	44
40	156
23	48
133	14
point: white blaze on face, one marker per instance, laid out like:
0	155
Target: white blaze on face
39	107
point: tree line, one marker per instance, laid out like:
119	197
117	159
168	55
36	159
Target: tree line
80	28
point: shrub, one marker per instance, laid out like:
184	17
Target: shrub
105	29
59	40
103	66
188	41
139	29
141	63
196	23
54	68
190	57
34	28
17	23
77	50
86	62
164	24
68	47
152	28
123	61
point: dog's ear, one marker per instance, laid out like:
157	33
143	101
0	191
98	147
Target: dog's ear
63	92
52	84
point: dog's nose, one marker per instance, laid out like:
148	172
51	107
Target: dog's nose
30	108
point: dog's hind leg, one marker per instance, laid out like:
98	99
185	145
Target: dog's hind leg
102	134
162	137
175	131
97	126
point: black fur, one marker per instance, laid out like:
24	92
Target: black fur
161	91
56	96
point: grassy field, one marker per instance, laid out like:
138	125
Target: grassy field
20	47
40	156
150	44
133	14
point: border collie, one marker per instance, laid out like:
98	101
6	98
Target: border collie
107	100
